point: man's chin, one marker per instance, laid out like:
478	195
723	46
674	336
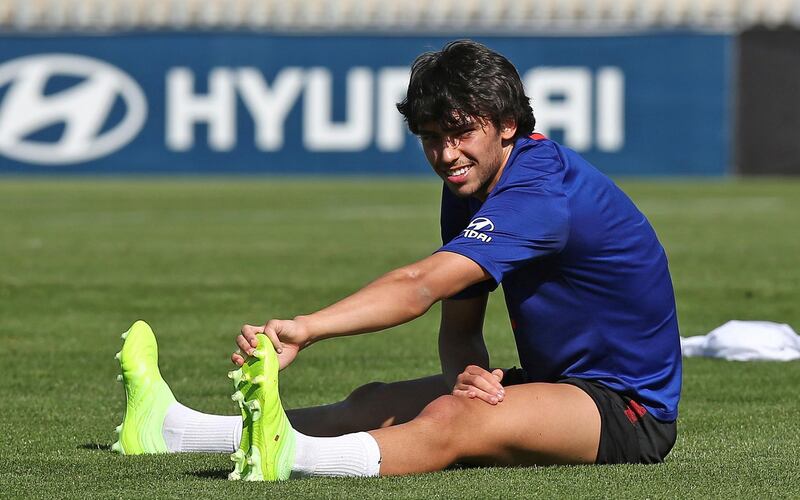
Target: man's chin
460	190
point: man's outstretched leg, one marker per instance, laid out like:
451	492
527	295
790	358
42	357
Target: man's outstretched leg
535	424
155	422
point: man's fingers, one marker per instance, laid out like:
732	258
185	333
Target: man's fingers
480	385
489	390
485	382
493	378
245	345
272	335
467	392
237	359
252	339
248	341
249	332
473	393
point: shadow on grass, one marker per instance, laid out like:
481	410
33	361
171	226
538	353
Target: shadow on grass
94	447
210	473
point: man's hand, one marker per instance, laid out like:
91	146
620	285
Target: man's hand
287	337
475	382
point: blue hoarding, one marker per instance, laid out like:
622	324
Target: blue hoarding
650	104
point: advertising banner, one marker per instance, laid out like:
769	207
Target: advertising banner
220	103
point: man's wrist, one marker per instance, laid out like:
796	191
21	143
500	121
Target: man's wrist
304	324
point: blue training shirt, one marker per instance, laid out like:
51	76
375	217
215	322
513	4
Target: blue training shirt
586	280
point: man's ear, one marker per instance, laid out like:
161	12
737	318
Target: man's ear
508	128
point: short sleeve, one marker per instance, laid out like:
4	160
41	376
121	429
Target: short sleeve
513	228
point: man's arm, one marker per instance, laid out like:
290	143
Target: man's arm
461	336
463	354
395	298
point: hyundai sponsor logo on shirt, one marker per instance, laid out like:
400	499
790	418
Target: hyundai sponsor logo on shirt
478	228
265	103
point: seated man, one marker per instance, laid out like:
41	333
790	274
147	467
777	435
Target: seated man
587	289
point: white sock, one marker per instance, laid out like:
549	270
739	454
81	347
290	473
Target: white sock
349	455
189	430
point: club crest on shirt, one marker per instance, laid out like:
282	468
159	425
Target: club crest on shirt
478	228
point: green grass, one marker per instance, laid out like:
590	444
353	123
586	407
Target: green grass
81	260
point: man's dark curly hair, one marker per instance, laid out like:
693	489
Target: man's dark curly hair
465	80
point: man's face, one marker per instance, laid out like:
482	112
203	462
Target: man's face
469	158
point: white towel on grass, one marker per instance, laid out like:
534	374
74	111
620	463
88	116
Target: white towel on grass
746	341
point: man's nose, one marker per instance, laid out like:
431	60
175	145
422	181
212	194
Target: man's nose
450	152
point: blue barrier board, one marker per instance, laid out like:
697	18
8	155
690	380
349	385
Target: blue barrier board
217	103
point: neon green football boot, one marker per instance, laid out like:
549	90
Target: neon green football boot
147	395
266	451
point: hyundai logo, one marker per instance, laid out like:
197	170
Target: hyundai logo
481	224
84	109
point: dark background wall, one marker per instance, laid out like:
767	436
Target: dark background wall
767	140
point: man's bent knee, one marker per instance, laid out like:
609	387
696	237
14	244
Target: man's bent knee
445	422
445	411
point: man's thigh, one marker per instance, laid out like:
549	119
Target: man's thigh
536	424
371	406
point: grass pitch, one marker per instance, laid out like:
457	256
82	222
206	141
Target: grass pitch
81	260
